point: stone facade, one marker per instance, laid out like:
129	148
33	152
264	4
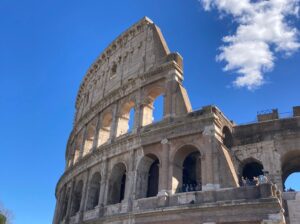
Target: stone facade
186	168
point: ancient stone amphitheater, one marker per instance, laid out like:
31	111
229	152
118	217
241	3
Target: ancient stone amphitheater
189	167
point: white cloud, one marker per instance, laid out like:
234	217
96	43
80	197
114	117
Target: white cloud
264	29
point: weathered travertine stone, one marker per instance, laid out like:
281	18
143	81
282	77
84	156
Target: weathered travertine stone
186	168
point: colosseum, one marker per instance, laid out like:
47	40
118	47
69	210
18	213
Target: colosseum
192	166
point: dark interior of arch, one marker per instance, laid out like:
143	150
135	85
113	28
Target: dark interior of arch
117	188
227	137
94	191
65	201
252	169
77	198
191	170
153	177
117	184
122	188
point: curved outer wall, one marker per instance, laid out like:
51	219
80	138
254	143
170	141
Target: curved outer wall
110	163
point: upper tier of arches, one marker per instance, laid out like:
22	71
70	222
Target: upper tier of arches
138	50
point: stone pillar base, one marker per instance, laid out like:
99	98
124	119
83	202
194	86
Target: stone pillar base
162	198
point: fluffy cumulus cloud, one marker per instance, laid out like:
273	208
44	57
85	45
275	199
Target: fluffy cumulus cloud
264	28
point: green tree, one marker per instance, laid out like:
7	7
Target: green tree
5	215
2	219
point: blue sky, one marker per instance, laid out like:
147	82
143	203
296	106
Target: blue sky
46	48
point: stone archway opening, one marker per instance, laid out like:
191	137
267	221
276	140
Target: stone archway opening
105	128
77	196
153	109
147	177
190	174
291	171
291	183
187	170
227	137
153	177
252	168
117	184
94	191
90	136
125	119
158	108
78	146
64	202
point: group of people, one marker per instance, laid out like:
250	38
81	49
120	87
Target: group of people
245	181
255	181
191	187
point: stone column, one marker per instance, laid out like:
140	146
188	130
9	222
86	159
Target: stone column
84	196
130	183
210	179
103	184
57	210
139	111
72	150
168	98
114	124
106	183
82	143
174	100
164	171
137	115
95	143
68	213
215	161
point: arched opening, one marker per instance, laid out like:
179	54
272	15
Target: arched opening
292	182
153	177
227	137
122	188
117	184
147	177
158	108
70	155
190	177
90	136
124	118
153	109
77	195
94	191
131	120
291	171
250	169
105	128
187	170
64	203
113	71
78	146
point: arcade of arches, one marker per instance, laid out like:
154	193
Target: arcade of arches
123	166
290	165
187	173
187	176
